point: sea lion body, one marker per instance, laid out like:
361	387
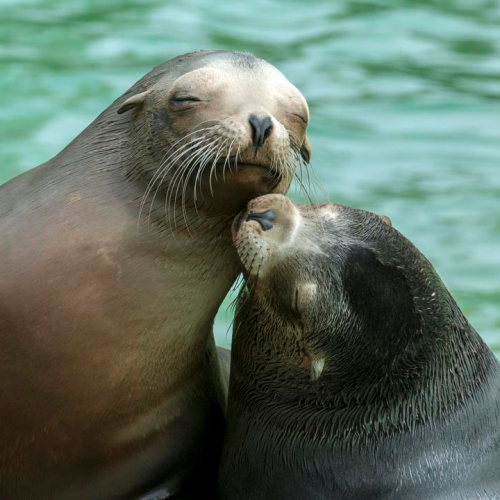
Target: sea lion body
354	374
116	255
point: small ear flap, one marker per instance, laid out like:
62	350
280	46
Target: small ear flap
306	150
386	220
133	102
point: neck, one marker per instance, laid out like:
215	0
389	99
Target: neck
360	390
177	261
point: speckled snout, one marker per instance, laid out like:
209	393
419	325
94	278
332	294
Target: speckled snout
269	224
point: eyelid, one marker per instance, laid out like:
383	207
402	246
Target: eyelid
298	115
184	98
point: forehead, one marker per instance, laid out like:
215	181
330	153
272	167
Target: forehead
334	228
328	211
244	72
234	63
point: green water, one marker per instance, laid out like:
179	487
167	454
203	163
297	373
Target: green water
405	101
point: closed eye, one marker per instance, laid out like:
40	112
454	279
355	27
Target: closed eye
299	116
183	99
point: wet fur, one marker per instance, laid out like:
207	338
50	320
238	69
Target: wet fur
408	404
110	379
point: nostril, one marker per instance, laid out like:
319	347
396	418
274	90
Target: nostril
265	219
268	128
261	129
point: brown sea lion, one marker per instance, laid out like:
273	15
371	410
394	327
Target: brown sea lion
115	256
354	374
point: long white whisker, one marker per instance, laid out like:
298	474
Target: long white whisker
214	165
228	159
192	145
178	177
206	156
161	169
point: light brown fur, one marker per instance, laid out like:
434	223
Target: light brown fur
110	282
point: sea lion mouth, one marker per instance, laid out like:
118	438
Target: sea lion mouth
257	178
234	166
267	168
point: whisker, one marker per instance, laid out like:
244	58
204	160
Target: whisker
173	185
177	181
165	159
236	157
164	167
214	164
198	178
195	144
228	160
302	187
202	164
188	170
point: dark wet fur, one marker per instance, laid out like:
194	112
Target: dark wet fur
408	405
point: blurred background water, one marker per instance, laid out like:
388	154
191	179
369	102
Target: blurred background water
404	97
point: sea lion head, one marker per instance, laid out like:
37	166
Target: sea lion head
350	361
221	128
336	294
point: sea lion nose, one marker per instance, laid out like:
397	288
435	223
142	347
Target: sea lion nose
265	219
261	129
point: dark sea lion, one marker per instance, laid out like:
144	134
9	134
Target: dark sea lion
354	374
115	256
